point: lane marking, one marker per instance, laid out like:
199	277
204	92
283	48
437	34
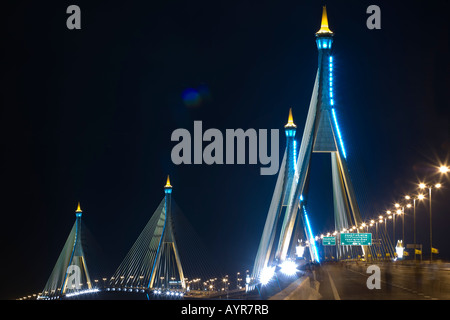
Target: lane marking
333	288
398	286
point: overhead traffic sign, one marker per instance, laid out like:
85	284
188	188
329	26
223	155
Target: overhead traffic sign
356	239
329	241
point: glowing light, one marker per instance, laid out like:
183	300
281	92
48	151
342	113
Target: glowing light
288	268
168	183
407	197
399	249
339	132
294	154
266	275
290	123
422	185
324	29
78	212
438	185
420	197
299	251
444	169
397	205
311	237
82	292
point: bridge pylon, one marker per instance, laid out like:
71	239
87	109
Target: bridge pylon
321	134
70	275
153	262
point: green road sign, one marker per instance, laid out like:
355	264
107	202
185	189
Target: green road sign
356	239
329	241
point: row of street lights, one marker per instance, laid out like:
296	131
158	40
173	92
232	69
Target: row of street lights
400	210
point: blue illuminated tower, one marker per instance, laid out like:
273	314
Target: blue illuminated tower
324	137
291	154
321	134
167	258
153	262
267	252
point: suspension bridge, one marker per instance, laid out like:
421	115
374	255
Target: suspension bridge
167	260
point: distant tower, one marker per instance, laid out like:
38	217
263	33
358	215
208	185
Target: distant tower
167	248
153	262
70	274
77	258
270	242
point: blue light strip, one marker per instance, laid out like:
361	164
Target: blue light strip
294	153
331	79
311	237
332	109
339	133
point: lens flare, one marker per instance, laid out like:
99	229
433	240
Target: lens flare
288	268
191	97
266	275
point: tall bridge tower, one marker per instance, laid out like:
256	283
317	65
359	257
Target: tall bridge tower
70	274
321	134
153	262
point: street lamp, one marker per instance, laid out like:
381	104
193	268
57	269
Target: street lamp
419	197
401	212
423	186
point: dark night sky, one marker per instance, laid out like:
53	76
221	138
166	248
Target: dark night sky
87	116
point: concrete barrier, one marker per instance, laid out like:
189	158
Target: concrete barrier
301	289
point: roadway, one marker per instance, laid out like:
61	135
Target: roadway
348	281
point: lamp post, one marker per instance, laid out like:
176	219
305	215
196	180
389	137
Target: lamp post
401	211
419	197
429	187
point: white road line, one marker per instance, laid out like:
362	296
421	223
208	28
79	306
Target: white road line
333	288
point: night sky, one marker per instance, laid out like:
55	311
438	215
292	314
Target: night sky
87	116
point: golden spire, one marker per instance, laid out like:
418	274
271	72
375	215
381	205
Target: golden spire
324	25
78	208
168	183
290	123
